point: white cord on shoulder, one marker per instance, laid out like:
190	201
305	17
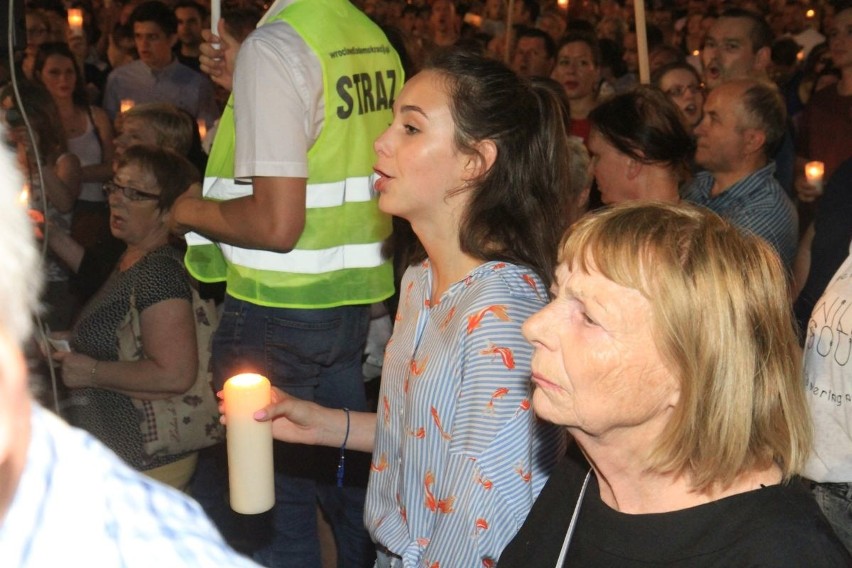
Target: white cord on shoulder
561	560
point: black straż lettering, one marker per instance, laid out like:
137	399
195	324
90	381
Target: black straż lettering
343	84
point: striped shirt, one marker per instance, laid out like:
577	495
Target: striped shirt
757	204
459	457
77	504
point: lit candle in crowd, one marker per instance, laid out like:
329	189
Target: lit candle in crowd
250	471
126	105
813	173
24	198
810	13
202	128
75	21
562	4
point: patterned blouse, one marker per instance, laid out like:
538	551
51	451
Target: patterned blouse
459	456
111	416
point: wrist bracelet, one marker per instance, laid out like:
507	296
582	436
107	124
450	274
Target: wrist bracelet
92	372
342	461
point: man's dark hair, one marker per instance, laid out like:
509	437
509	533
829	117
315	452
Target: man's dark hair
760	33
157	12
202	11
549	44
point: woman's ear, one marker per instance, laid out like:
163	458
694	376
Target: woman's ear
633	168
482	160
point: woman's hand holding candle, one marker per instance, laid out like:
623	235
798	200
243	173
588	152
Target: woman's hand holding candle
300	421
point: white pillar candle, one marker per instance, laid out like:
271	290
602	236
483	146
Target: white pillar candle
813	173
215	15
250	468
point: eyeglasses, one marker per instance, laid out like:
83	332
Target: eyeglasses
131	194
679	91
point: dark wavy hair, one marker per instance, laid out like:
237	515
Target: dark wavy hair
60	48
519	208
646	126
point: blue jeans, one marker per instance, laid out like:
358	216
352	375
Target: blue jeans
314	355
835	500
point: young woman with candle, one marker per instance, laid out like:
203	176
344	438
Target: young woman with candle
474	160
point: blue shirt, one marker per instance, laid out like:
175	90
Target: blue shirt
459	456
175	83
757	204
77	504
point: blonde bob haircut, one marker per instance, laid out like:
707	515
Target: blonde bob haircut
723	326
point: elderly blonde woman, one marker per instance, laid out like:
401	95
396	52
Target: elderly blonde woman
669	354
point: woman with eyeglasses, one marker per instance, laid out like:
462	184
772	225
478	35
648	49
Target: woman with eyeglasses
151	279
682	85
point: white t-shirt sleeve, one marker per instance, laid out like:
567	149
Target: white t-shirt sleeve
278	103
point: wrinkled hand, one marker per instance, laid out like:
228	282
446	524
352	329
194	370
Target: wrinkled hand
76	369
218	56
805	191
186	199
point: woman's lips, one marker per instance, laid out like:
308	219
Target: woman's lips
381	180
540	381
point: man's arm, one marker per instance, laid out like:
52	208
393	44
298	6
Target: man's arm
272	218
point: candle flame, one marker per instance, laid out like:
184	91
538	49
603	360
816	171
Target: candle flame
814	171
810	13
75	20
24	198
126	105
246	380
202	128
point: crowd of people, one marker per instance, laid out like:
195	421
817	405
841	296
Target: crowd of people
605	307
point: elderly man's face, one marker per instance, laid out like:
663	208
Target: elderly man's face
721	134
596	367
728	52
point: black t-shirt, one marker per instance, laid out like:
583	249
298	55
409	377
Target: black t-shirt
778	526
